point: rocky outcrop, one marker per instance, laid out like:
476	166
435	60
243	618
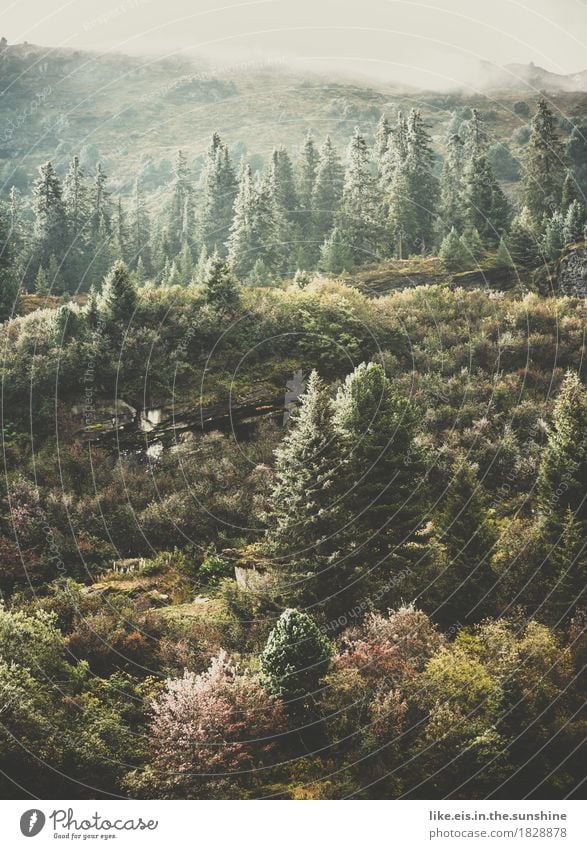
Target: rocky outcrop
571	274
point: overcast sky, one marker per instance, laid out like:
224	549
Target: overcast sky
394	38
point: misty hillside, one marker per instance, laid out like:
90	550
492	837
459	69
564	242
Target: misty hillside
133	114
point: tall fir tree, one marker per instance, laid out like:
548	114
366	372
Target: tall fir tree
562	478
222	290
544	165
241	247
486	206
307	182
305	516
9	280
360	214
50	231
413	187
452	185
327	192
521	242
377	427
180	213
335	254
219	192
119	296
140	232
76	197
476	137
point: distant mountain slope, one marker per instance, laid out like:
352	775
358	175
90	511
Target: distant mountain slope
133	114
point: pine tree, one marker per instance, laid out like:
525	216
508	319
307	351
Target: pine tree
41	284
335	254
260	275
201	265
463	590
476	138
295	658
574	223
180	214
119	295
544	165
453	254
121	233
219	192
412	187
562	478
222	290
473	245
452	185
100	203
553	242
241	242
382	140
77	209
281	210
308	171
9	280
359	217
50	232
140	231
522	244
503	258
569	193
327	191
186	264
486	207
376	426
305	516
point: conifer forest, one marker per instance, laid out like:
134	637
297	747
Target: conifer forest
294	432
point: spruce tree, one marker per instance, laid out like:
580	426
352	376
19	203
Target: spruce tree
569	192
50	232
503	258
222	290
76	198
412	188
473	245
486	207
574	223
121	233
382	140
476	137
452	185
453	254
9	281
562	478
241	242
119	295
335	254
305	517
219	191
544	165
522	244
281	210
327	191
359	217
308	171
180	214
377	427
553	242
140	231
295	658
